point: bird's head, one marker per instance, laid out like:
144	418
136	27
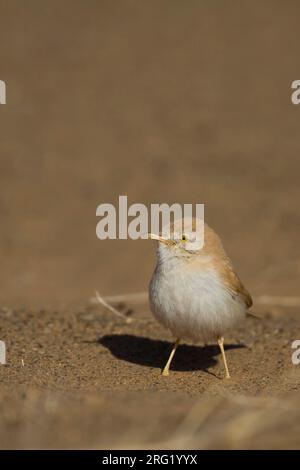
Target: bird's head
182	238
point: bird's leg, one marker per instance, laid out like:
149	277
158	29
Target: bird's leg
221	345
165	371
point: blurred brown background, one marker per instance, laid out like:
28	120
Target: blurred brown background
163	101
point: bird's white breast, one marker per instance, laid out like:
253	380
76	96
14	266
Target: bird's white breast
192	303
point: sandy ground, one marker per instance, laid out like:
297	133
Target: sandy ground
83	379
165	102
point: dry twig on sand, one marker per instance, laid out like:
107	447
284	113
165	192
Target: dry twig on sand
103	302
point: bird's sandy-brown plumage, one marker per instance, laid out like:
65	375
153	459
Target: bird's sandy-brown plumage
216	256
213	246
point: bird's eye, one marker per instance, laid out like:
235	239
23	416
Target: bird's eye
184	238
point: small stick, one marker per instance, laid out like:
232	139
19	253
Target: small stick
110	308
138	297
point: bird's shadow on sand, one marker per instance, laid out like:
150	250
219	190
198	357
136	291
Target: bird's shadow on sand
154	353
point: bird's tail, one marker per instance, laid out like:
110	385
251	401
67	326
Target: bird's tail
252	315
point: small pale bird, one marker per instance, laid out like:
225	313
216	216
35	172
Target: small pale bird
193	292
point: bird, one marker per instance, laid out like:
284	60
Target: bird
194	290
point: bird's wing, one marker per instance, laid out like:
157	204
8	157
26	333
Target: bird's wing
243	293
235	286
224	266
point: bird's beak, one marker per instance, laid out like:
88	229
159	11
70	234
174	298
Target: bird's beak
153	236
